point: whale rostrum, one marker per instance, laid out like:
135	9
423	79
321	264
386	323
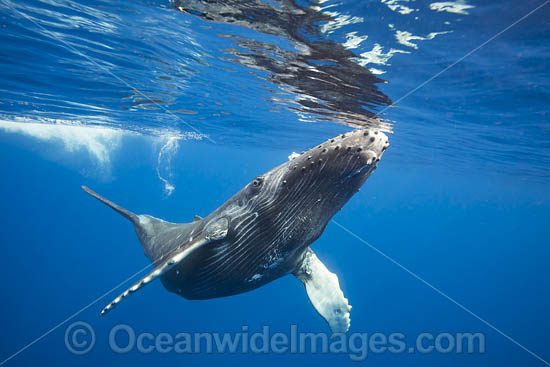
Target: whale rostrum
264	231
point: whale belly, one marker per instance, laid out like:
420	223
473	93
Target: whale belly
227	268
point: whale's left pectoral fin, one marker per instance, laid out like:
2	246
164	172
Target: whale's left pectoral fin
170	261
324	292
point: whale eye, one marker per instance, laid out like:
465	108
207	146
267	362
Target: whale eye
255	186
258	181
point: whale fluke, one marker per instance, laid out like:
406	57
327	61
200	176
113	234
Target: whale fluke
125	213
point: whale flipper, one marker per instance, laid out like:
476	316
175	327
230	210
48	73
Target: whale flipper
165	244
165	266
324	292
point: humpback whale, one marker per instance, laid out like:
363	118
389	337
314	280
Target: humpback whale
264	231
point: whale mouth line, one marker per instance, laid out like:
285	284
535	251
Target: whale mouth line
355	173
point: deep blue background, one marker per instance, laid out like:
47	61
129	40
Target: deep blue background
460	198
480	240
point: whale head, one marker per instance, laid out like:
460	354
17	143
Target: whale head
299	197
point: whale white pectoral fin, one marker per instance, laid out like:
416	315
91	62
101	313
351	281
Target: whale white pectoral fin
324	292
174	258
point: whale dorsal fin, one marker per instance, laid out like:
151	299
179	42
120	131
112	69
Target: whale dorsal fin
196	218
324	292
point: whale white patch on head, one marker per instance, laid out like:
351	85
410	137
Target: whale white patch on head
293	155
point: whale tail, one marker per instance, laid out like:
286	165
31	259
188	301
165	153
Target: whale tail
125	213
161	243
150	230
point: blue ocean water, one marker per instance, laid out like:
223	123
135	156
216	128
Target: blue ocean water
170	108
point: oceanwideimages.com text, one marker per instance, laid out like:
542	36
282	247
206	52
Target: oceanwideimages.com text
80	338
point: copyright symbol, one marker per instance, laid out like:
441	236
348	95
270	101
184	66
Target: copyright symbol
79	338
